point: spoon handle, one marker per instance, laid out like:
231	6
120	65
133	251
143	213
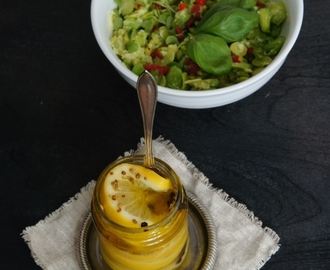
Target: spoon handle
147	94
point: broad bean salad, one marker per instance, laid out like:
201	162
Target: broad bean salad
197	44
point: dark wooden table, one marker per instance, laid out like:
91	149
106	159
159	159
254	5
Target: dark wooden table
65	114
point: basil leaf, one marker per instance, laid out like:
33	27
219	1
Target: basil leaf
228	4
210	53
232	25
247	4
219	6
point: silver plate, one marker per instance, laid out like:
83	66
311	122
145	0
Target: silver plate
203	243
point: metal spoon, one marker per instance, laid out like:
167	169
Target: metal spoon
147	93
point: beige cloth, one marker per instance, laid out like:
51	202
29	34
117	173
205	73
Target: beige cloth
242	242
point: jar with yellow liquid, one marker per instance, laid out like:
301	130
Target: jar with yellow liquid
141	216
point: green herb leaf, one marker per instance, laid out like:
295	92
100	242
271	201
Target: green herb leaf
232	25
227	5
247	4
210	53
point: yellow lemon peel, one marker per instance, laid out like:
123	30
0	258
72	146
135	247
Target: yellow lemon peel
136	196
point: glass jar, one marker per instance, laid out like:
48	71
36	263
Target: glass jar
162	245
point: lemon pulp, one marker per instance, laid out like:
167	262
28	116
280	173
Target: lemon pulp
136	196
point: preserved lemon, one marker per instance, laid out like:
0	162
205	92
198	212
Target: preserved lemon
135	196
141	216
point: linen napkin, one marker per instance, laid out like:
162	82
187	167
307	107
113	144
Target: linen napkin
242	241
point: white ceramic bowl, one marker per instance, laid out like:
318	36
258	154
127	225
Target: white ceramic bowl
200	99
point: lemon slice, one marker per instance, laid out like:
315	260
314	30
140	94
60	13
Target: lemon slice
135	196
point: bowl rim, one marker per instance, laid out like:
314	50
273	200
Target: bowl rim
288	45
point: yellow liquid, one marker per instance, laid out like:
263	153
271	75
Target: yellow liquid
130	244
120	254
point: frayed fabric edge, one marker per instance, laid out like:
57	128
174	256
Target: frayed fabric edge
263	262
25	233
222	194
26	237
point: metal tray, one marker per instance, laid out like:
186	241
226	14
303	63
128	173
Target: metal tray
203	242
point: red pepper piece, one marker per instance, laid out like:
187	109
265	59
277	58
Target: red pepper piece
191	67
182	6
250	51
162	70
165	70
179	32
155	27
156	53
249	54
200	2
158	6
235	59
260	4
196	11
190	22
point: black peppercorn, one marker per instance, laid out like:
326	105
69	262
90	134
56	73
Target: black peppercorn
144	224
